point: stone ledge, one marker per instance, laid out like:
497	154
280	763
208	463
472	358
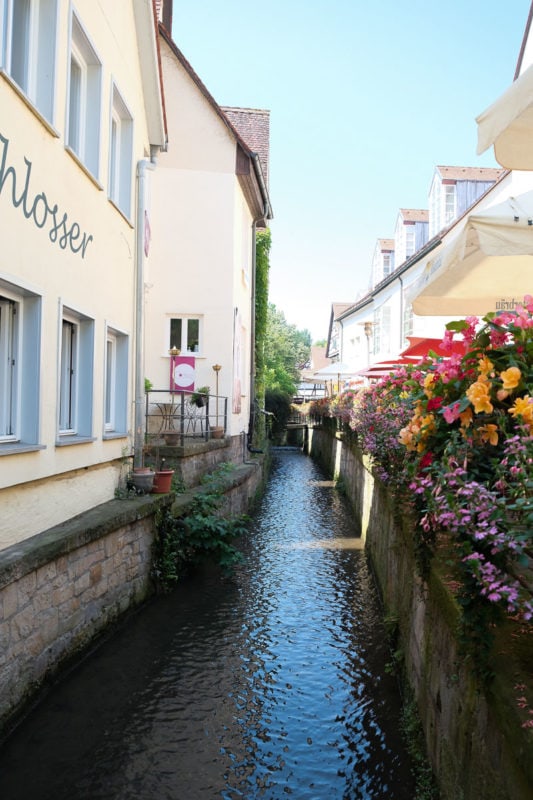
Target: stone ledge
23	557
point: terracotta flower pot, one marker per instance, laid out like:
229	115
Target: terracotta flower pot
162	481
216	432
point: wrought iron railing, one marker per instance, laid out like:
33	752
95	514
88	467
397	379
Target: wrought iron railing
174	417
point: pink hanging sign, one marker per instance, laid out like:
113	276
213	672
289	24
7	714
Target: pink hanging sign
182	373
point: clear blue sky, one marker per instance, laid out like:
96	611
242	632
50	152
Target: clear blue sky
366	97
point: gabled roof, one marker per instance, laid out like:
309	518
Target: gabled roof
470	173
414	214
253	124
247	166
386	244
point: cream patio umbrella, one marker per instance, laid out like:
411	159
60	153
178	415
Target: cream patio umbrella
508	125
487	267
338	369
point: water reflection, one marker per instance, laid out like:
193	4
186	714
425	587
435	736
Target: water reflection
266	686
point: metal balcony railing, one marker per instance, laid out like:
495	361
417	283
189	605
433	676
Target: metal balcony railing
173	418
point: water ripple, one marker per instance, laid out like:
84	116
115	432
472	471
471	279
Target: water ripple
270	685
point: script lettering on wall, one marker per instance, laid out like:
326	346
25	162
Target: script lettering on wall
68	235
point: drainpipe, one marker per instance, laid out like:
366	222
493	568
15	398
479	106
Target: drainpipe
138	440
401	312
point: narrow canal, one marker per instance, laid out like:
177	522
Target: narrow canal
268	685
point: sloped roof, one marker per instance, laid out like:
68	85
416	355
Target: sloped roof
253	124
255	172
386	244
470	173
415	214
338	308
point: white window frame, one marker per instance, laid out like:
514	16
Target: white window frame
410	239
28	40
382	330
449	203
120	154
408	321
115	383
182	344
20	341
84	99
9	316
75	376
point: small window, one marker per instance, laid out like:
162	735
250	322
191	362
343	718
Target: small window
382	330
185	334
76	375
28	49
407	321
20	332
83	118
9	315
449	204
120	155
116	383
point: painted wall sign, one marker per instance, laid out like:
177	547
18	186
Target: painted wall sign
68	235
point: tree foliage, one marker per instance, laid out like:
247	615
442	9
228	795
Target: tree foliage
287	351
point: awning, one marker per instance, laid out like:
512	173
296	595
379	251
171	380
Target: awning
488	267
508	125
337	368
420	346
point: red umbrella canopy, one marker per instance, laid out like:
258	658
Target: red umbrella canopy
420	346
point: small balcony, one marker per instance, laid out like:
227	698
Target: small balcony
177	417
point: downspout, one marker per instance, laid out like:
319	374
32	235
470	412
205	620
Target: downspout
401	313
138	440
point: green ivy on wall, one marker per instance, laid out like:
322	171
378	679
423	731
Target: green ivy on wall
262	267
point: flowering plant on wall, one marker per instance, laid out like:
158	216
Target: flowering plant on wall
454	437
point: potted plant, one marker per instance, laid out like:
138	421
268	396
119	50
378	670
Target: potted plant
162	479
142	479
200	396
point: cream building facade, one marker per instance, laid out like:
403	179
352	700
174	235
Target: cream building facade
207	197
81	108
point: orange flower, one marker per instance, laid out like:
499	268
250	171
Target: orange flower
523	407
511	377
489	433
485	366
478	394
466	418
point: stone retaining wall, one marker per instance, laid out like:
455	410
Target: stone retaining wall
61	588
474	734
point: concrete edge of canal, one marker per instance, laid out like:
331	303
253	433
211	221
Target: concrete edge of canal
475	737
61	589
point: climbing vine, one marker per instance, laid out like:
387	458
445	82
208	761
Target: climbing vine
263	242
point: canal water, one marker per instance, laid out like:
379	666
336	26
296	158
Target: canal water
268	685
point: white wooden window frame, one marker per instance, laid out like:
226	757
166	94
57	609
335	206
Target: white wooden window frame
20	356
116	382
84	99
75	376
182	344
28	45
120	153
